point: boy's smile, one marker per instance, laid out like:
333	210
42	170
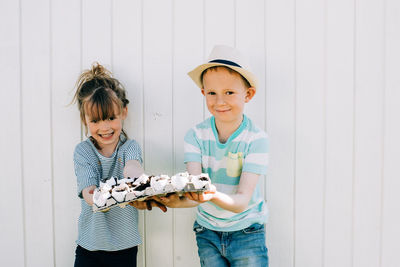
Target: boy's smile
226	94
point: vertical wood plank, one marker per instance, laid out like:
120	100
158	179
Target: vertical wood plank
36	132
339	133
65	69
219	28
219	24
157	70
252	44
96	32
391	182
127	67
280	114
12	241
310	131
368	132
127	60
188	53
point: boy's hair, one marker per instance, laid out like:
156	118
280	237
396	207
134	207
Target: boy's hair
215	68
98	93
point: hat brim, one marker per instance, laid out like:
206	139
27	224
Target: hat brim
196	73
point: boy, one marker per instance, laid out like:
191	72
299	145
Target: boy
230	220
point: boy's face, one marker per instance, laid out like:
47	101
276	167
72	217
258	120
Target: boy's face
226	95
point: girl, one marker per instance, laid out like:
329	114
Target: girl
105	238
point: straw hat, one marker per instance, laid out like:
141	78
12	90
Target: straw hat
230	57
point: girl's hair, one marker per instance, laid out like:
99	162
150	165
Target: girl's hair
98	93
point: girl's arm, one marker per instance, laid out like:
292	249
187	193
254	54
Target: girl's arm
87	194
131	169
236	202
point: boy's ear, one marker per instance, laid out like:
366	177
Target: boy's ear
250	92
202	91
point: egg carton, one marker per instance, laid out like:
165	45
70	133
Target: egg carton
119	192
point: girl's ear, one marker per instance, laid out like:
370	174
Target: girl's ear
202	91
124	113
250	92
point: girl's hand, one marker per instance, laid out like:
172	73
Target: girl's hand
87	194
202	197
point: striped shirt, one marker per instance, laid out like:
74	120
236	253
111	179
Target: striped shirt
246	150
116	229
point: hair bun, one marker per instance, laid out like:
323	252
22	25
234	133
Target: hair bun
98	71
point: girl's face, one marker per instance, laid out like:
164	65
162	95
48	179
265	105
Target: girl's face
106	132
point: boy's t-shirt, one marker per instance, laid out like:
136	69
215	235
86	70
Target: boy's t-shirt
246	150
116	229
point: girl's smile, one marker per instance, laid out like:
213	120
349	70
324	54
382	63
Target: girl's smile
106	136
107	132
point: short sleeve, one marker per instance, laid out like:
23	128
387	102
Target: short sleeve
86	171
256	160
191	147
133	151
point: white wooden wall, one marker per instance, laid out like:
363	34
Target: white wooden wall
329	98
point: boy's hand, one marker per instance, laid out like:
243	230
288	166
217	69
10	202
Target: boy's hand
202	197
171	201
140	205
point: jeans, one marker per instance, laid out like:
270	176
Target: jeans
237	249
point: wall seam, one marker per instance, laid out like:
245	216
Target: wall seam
144	246
51	129
173	121
234	22
295	132
265	73
325	132
354	130
265	96
21	134
204	49
384	34
81	56
112	34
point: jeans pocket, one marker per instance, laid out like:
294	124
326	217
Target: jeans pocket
197	228
254	228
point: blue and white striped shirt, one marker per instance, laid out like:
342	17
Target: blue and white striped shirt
116	229
246	150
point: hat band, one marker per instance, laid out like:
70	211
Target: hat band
226	62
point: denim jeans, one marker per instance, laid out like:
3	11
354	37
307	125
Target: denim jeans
237	249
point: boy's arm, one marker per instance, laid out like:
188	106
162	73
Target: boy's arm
235	203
